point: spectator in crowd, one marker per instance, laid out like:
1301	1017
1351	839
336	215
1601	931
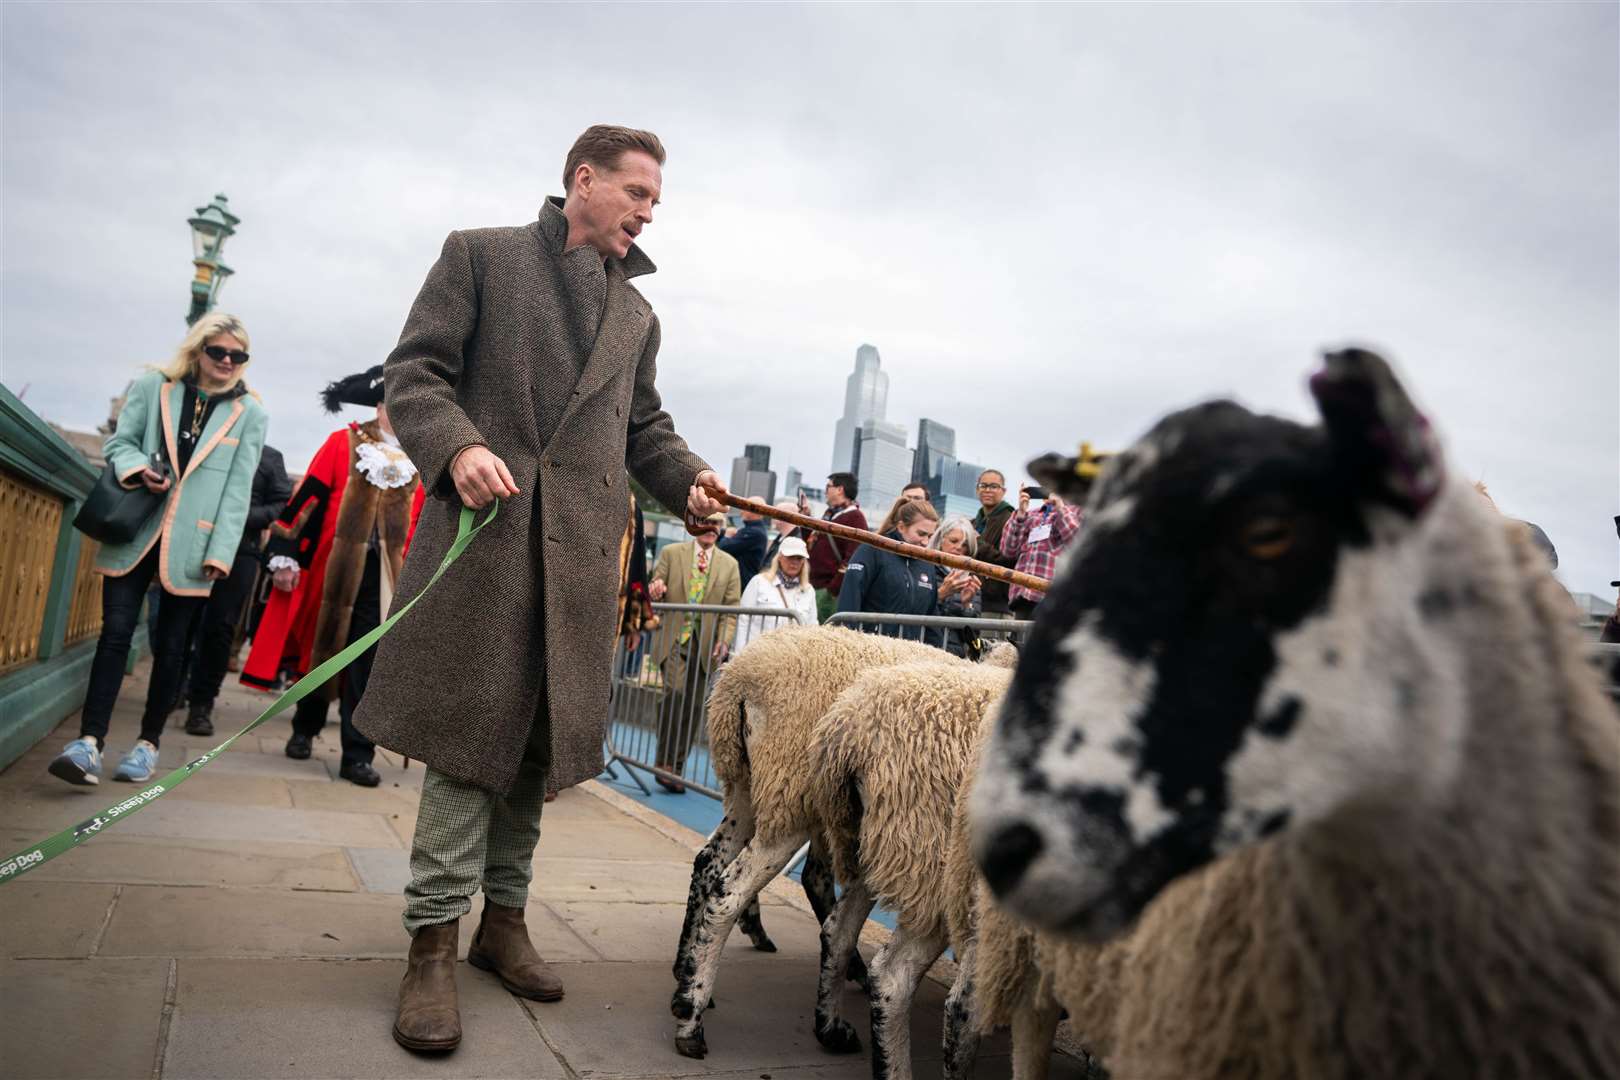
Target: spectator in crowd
1035	539
883	582
960	592
829	556
228	600
196	411
785	584
748	544
781	530
334	556
691	643
909	493
994	513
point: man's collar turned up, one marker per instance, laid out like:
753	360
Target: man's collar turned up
554	230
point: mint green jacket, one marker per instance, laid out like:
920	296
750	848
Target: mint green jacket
201	519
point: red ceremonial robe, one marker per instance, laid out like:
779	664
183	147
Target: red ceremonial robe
286	634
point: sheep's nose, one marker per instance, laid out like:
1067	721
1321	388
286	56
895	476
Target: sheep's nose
1008	855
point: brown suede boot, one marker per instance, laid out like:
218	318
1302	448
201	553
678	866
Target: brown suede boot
429	1019
501	945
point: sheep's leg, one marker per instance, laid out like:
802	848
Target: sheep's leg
736	829
1033	1030
839	933
896	970
738	883
754	927
961	1041
817	880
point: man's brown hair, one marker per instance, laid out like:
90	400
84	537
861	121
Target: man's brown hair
602	145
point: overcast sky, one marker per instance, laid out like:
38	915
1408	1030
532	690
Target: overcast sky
1055	223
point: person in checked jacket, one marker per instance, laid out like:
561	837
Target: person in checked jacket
1036	539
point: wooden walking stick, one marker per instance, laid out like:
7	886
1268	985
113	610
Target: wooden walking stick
862	536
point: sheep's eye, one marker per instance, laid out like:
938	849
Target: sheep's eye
1268	537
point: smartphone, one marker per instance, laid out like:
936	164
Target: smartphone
1035	493
160	465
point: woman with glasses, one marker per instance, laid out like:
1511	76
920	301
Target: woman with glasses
191	432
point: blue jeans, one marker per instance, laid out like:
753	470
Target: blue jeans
121	599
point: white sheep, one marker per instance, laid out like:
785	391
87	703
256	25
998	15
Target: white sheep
1306	715
760	715
890	760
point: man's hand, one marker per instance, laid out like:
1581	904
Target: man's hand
1023	501
721	651
155	482
656	588
698	503
285	579
481	477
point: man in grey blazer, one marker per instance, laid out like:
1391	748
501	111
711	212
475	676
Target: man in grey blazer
525	373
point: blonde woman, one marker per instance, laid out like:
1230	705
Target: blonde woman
785	584
192	432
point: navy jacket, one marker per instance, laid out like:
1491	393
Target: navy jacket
747	545
882	581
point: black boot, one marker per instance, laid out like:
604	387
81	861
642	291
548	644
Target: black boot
360	773
298	746
200	718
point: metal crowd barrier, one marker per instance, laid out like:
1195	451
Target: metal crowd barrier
661	684
944	630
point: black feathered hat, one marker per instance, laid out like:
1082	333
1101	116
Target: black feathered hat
365	388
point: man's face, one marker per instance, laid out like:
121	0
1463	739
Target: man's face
708	537
915	493
615	205
991	489
835	495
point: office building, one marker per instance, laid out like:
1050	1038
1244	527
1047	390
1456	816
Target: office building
936	444
751	475
883	465
866	397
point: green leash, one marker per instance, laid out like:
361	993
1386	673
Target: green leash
37	855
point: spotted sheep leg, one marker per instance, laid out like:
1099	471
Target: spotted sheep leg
738	883
817	879
896	970
960	1039
839	934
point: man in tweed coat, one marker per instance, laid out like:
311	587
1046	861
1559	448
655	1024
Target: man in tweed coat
525	373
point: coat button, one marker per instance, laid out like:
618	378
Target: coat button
618	410
607	478
604	549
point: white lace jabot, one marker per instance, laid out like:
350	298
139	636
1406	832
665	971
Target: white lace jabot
384	464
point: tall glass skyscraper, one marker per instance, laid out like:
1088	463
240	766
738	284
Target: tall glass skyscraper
866	397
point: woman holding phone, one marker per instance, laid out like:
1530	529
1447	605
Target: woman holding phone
191	432
958	591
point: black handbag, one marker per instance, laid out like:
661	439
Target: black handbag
113	513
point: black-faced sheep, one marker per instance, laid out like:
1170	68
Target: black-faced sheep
760	716
1304	712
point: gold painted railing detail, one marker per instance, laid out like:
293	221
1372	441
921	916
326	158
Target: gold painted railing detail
30	522
84	616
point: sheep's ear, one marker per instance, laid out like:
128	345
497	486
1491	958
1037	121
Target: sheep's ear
1070	477
1383	444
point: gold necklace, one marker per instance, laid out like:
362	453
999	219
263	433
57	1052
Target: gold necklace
199	416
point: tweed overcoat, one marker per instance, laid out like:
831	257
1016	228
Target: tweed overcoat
548	357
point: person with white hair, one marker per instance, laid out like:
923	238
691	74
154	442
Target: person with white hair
785	584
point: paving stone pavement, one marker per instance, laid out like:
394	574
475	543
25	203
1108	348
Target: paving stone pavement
247	925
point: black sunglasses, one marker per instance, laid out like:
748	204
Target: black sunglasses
219	354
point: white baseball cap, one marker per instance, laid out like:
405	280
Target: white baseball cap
792	547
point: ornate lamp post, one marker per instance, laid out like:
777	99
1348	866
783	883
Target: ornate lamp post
209	231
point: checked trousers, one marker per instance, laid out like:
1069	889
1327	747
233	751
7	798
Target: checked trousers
468	837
